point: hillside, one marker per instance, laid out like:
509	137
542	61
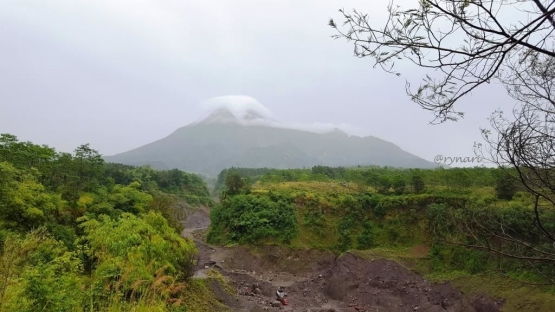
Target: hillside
224	140
70	222
438	223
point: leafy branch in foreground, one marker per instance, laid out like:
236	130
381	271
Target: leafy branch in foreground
467	43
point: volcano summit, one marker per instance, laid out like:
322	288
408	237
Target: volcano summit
240	132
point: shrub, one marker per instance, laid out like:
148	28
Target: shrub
505	187
140	256
417	184
344	229
366	237
38	273
251	218
399	185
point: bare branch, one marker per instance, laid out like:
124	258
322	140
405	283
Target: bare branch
488	44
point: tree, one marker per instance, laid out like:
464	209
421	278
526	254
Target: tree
324	170
469	43
253	219
417	184
26	155
170	208
24	203
399	185
466	44
88	166
371	178
235	184
384	184
460	177
505	187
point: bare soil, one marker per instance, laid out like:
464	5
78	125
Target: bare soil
197	219
316	280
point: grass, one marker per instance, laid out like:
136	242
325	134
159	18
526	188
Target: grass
309	186
309	238
200	296
218	277
519	296
413	258
136	307
395	254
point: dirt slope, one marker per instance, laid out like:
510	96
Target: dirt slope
320	281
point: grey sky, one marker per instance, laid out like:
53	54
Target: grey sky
120	74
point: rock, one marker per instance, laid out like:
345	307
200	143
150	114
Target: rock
275	303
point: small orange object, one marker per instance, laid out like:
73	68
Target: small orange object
285	301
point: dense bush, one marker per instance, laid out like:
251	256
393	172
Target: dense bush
77	234
505	187
40	274
366	237
187	186
130	249
344	230
251	219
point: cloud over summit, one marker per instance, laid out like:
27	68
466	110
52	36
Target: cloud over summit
248	111
242	107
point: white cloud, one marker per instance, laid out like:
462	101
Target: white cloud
243	107
238	105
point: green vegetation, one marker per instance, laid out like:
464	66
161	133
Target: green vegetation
187	186
200	296
251	218
439	222
346	208
77	234
234	144
454	179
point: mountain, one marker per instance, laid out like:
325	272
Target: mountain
225	139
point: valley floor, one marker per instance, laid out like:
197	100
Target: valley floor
317	280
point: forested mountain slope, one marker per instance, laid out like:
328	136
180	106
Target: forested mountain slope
222	141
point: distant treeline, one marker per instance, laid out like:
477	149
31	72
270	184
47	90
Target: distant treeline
188	186
85	170
383	179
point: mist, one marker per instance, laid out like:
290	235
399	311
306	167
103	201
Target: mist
121	74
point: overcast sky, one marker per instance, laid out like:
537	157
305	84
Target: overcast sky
120	74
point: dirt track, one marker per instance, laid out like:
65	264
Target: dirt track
320	281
